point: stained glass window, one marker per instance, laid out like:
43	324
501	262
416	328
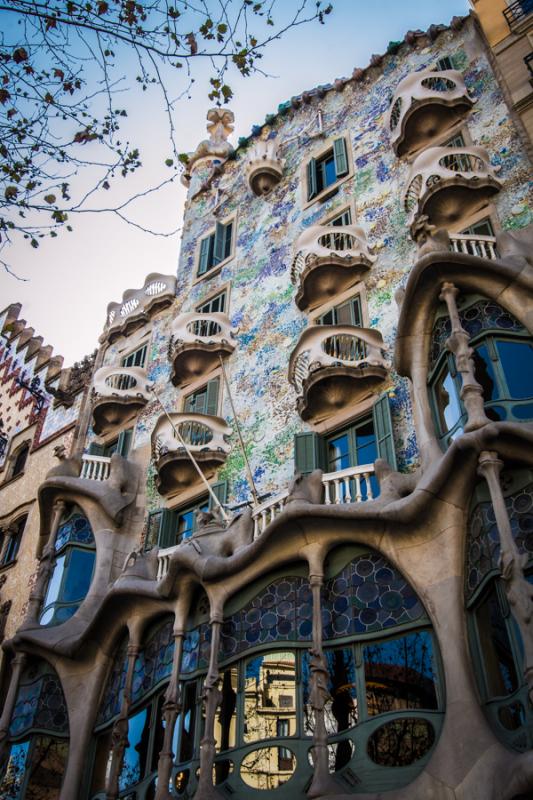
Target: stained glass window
279	613
196	644
368	595
154	662
74	530
114	690
40	704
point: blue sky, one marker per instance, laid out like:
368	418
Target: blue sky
72	278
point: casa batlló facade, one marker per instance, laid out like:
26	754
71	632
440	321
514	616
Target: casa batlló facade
292	555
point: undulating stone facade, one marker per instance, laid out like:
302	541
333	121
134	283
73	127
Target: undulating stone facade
289	551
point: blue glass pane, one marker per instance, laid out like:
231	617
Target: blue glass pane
399	674
11	784
368	595
196	644
79	575
339	453
52	592
524	412
39	704
365	439
134	763
330	176
447	401
517	363
484	373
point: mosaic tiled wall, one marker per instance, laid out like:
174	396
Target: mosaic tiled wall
262	297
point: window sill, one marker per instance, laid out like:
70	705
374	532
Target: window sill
212	272
8	481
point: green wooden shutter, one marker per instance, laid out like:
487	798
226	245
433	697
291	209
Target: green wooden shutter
212	397
312	184
220	243
96	449
167	529
204	256
341	157
220	490
227	239
309	452
124	442
383	430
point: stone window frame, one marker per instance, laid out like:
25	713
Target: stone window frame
225	288
12	459
357	290
318	152
16	520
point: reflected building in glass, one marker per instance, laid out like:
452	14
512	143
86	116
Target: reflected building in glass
289	551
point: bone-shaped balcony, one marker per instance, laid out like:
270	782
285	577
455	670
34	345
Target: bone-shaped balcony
138	305
198	340
449	184
334	366
426	104
119	394
206	438
328	260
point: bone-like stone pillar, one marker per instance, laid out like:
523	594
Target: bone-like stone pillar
45	570
519	592
171	709
17	665
119	735
211	696
458	344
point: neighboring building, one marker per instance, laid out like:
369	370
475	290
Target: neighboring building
508	28
333	595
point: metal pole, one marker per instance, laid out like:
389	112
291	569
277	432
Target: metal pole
186	448
239	434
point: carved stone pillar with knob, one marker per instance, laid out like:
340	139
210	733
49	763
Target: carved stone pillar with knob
171	708
46	567
211	696
458	344
518	590
119	734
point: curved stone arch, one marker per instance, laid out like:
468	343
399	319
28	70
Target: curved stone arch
509	283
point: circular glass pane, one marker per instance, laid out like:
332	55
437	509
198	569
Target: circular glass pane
268	767
401	742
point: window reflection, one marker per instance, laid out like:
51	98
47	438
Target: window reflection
517	362
134	764
225	720
266	768
269	688
400	742
447	401
399	674
484	373
14	773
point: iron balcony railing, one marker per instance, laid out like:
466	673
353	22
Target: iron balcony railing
517	12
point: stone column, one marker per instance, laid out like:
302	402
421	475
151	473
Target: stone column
171	709
119	735
323	783
518	590
45	569
211	696
458	344
17	665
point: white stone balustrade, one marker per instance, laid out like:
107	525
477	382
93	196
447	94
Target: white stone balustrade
481	246
196	342
447	183
327	260
206	437
264	168
137	304
424	104
95	468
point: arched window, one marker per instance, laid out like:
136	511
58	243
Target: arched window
18	461
75	555
496	644
38	737
152	669
503	362
11	541
386	698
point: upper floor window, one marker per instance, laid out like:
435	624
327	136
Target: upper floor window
214	305
11	541
169	527
216	247
327	169
204	400
345	218
503	363
17	462
137	358
444	63
348	313
482	228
